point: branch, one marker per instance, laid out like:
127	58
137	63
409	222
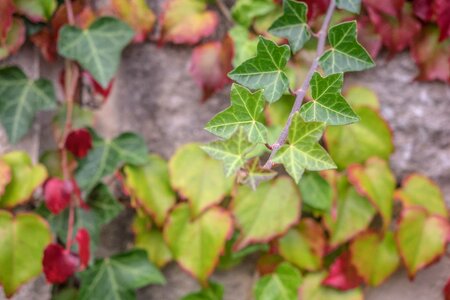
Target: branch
224	10
301	92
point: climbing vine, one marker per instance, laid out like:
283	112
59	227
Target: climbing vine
298	176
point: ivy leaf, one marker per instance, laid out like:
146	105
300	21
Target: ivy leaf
96	48
316	193
149	184
375	257
203	186
245	11
106	156
281	285
5	176
421	238
353	6
59	264
187	21
7	9
36	11
255	174
23	238
79	142
265	70
343	275
214	291
196	244
356	143
244	44
419	191
346	54
118	276
57	193
292	24
254	210
304	245
353	214
13	39
328	104
246	111
312	289
375	181
20	99
25	179
303	151
447	290
83	240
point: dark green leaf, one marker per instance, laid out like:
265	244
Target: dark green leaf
316	192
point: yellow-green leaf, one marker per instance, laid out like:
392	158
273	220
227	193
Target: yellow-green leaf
312	289
280	285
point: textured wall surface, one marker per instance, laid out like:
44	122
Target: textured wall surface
155	96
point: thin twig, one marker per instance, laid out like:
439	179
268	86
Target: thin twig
70	15
301	92
224	10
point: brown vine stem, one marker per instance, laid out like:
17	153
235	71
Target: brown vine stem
224	10
301	92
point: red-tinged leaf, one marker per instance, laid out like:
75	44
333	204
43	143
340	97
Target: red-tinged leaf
5	176
83	239
6	11
15	37
389	7
79	142
447	290
343	275
97	92
210	64
137	14
186	21
368	36
423	9
442	8
268	263
397	33
59	264
316	8
57	194
431	56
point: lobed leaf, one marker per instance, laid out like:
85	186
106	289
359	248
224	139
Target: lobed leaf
281	285
255	174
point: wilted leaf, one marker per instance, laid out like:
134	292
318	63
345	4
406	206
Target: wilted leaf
20	99
187	21
292	25
421	238
150	185
118	277
255	210
343	275
265	70
281	285
23	238
25	178
316	193
196	244
204	185
312	289
304	245
36	10
96	48
375	256
328	104
346	54
59	264
214	291
303	151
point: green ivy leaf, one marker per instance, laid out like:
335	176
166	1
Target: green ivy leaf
244	44
23	238
255	174
312	289
25	179
328	104
419	191
281	285
36	10
149	184
421	238
214	291
304	245
20	99
303	151
245	11
196	244
265	71
204	185
97	48
375	257
231	257
118	277
358	142
346	54
107	155
353	6
358	96
254	211
375	181
233	152
292	24
316	193
354	214
246	111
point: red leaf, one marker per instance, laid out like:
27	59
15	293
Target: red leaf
423	9
57	194
59	264
447	290
368	37
442	8
7	10
210	64
389	7
79	142
99	93
343	275
83	239
316	8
